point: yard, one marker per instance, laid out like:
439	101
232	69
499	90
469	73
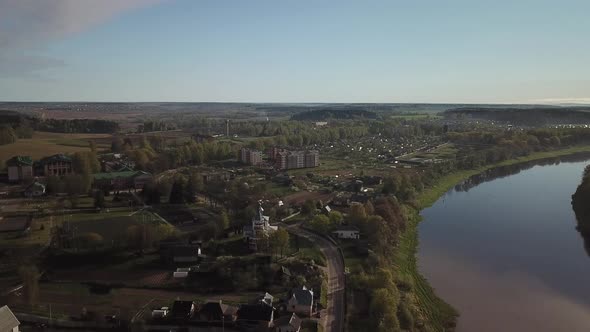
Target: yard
110	225
68	299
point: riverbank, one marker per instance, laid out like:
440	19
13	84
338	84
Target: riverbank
434	311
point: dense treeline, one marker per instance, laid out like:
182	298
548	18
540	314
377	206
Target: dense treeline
24	124
331	114
150	126
7	135
581	203
14	126
154	154
77	126
538	116
341	129
493	147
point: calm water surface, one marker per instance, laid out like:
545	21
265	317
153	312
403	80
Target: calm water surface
506	254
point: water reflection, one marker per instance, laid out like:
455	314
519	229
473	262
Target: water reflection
503	249
505	171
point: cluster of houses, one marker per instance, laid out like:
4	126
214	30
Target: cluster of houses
261	315
22	168
117	172
282	159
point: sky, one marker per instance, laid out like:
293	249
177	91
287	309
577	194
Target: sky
424	51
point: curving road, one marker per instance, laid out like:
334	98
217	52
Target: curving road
333	318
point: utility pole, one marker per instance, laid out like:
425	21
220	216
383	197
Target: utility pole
227	128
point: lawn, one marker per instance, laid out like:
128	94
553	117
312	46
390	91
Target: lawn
39	235
110	225
46	144
307	249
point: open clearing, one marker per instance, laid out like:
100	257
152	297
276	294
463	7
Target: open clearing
45	144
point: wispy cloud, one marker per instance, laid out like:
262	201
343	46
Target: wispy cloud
28	26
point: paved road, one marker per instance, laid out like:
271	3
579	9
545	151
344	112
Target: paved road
333	320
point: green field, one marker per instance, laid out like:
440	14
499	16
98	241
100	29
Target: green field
110	225
46	144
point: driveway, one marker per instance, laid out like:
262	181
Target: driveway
333	320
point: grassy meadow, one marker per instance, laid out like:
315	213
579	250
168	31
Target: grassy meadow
44	144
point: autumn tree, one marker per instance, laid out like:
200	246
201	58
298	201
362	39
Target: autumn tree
99	201
335	218
177	192
279	241
140	237
320	223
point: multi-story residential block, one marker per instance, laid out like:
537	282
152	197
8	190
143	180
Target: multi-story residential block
56	165
250	156
296	159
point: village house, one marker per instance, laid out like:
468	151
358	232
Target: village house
347	232
35	189
301	301
217	312
125	180
186	254
19	168
287	323
255	317
182	310
219	176
180	252
116	162
266	299
8	321
201	138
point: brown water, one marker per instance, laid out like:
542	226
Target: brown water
503	250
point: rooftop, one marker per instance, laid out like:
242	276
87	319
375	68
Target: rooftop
115	175
292	321
19	161
36	186
182	308
303	296
259	312
56	158
7	319
348	228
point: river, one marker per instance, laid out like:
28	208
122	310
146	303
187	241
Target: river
502	249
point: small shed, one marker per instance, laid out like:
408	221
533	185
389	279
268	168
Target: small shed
347	232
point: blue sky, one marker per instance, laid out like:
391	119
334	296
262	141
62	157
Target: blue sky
295	51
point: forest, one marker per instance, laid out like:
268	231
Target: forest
580	200
331	114
535	116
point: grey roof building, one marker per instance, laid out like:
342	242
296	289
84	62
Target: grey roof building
8	321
